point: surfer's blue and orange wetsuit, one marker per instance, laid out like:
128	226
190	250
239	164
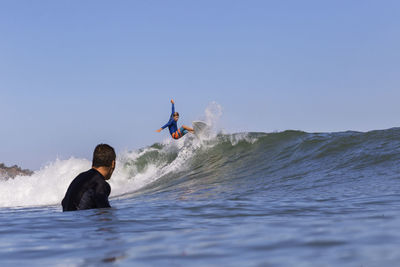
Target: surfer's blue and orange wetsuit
173	126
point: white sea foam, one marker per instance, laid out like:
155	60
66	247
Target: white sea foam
236	138
45	187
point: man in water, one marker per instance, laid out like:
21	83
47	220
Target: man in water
173	126
89	190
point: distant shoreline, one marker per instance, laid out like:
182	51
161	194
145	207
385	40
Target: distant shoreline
13	171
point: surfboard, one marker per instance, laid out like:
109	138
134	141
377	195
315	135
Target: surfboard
200	127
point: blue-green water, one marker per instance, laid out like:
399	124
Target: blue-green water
254	199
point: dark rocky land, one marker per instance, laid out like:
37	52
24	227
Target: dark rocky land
13	171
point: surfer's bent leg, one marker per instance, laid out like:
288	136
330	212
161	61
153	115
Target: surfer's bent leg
187	128
178	134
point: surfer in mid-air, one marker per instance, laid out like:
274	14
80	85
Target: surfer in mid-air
173	126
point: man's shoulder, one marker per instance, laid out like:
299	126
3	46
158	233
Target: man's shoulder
84	176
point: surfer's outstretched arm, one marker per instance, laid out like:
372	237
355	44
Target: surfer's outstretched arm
173	107
171	118
165	126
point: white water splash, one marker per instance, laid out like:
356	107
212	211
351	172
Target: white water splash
213	113
45	187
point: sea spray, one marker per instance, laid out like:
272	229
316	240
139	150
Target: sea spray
46	186
212	114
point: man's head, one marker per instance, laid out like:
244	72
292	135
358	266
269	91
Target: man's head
176	116
104	160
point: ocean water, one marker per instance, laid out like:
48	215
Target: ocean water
248	199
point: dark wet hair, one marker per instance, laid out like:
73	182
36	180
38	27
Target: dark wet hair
103	156
176	114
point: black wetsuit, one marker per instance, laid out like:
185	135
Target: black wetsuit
88	190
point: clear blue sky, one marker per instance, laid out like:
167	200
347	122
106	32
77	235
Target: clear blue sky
76	73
